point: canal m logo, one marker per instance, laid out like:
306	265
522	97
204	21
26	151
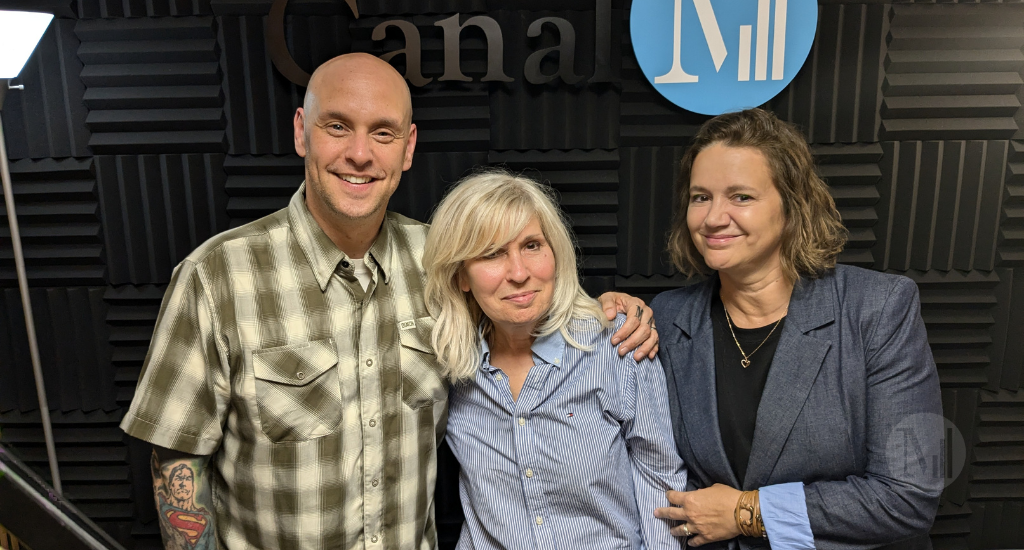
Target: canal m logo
716	60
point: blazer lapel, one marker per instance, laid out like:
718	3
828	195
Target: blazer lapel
796	363
693	358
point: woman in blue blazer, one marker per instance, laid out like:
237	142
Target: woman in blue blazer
804	396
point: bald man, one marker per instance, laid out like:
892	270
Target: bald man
291	368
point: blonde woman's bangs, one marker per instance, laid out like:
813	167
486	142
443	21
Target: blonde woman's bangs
496	231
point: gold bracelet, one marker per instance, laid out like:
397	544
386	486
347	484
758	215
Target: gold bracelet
745	503
759	523
736	513
750	502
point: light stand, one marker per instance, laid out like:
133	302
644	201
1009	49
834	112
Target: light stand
30	28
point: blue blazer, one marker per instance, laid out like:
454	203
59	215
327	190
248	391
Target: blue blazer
841	410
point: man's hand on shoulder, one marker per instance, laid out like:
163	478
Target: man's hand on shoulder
184	502
638	334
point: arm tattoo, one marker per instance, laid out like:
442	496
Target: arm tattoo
183	503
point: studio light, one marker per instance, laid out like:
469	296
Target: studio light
20	31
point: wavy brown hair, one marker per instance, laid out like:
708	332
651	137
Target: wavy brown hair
813	235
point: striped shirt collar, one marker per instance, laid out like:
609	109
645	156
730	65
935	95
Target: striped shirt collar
321	252
547	349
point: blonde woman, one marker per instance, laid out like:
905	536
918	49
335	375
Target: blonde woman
562	442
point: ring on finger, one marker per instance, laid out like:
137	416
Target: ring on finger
686	529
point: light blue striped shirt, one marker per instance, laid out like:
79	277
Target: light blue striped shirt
580	460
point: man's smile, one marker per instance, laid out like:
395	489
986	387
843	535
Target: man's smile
358	180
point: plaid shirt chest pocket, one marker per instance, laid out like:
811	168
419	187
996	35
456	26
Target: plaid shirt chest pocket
421	379
298	393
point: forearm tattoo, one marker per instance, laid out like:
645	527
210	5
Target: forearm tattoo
183	503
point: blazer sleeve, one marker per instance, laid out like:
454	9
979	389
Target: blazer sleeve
898	495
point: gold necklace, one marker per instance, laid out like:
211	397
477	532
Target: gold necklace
745	362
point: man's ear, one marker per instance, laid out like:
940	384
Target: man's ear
299	126
410	147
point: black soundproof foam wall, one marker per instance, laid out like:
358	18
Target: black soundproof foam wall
147	126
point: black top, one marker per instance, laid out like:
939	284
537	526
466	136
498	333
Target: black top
739	389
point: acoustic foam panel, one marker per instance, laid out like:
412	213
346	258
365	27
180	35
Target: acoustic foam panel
940	204
1011	230
424	185
646	198
59	222
152	85
852	174
257	186
954	75
835	96
73	353
156	209
131	316
93	9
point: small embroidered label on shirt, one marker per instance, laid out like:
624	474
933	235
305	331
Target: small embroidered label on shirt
568	415
406	325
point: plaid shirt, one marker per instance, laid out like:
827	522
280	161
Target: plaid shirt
322	405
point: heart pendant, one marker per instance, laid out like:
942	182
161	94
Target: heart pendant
745	362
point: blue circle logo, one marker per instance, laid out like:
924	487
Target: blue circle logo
715	60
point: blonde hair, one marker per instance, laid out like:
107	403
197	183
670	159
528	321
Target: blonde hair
481	214
813	235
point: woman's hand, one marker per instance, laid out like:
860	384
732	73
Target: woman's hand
639	325
708	514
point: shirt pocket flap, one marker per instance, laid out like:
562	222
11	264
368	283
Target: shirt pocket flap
415	334
297	364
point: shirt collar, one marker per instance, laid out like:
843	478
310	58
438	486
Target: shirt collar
549	349
380	250
321	253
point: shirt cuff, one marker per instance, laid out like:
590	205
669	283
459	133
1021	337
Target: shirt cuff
784	512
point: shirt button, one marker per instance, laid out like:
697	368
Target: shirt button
529	472
345	265
373	539
374	483
373	423
497	377
369	362
540	520
522	421
300	375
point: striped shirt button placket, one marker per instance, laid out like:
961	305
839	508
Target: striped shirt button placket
525	448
